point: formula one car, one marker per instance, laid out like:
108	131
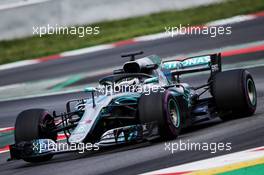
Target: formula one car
143	101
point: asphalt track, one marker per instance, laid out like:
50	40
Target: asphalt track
242	133
245	32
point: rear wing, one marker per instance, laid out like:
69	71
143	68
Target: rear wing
195	64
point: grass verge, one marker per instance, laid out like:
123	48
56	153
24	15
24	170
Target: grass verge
111	31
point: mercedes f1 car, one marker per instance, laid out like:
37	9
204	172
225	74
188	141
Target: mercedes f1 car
145	100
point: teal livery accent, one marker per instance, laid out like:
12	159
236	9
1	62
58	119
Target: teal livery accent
191	62
155	59
90	89
126	98
186	95
151	80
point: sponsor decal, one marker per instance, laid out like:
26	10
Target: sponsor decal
196	61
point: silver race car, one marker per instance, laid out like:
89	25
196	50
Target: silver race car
143	101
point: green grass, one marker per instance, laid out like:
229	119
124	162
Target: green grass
251	170
111	31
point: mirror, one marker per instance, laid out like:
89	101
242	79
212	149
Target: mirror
90	89
151	80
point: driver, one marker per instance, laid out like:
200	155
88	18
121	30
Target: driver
127	85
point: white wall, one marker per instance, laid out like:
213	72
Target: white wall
19	16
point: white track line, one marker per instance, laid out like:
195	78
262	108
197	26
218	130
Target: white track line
87	50
21	4
18	64
6	129
232	20
215	162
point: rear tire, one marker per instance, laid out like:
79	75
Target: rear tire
163	108
235	94
34	124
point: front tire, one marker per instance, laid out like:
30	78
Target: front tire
34	124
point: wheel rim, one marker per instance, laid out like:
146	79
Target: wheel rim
251	91
174	112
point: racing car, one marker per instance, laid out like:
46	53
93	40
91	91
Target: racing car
145	100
